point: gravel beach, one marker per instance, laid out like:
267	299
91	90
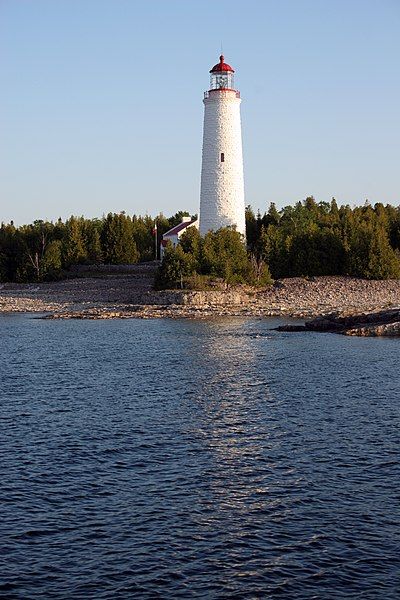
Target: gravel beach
123	295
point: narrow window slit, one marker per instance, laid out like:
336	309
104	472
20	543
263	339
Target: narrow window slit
222	157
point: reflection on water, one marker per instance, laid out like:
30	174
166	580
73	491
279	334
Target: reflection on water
181	459
228	421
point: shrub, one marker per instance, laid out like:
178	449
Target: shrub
175	266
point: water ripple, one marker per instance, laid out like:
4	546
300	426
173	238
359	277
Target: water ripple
175	459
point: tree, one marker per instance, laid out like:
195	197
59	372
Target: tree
275	246
36	239
175	266
73	247
252	232
272	217
259	274
224	255
117	241
369	253
191	244
91	236
316	251
52	261
12	252
142	231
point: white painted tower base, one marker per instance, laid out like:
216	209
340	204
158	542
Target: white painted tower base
222	187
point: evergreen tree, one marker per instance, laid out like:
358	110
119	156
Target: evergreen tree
118	245
175	266
307	238
191	244
12	252
91	236
142	231
272	216
36	238
73	247
52	260
224	255
369	253
252	232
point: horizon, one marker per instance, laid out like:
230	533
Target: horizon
98	114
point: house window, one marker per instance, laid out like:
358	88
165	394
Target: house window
222	157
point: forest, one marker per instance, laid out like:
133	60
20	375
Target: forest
44	251
306	239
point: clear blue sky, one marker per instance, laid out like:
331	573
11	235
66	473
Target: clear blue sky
101	102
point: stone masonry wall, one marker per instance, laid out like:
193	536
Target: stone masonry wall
222	187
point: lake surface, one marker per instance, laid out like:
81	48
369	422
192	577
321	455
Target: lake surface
197	459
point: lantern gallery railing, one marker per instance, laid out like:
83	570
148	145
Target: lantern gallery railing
207	94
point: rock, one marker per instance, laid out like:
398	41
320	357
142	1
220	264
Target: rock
290	328
330	302
389	330
382	323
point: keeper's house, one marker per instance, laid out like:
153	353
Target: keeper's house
175	233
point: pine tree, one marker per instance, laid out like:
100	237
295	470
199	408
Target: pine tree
91	234
117	240
175	266
224	255
73	248
52	260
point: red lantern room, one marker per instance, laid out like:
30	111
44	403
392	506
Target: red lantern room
221	76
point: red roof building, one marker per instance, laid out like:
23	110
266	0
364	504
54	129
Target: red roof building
175	233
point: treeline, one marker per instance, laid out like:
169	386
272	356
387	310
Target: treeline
320	238
45	250
308	239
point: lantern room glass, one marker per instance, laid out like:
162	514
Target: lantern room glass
221	80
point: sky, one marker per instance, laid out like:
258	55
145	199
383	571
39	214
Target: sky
101	102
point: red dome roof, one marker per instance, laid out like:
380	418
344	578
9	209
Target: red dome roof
222	66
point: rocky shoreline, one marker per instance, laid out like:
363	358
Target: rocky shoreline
375	324
130	295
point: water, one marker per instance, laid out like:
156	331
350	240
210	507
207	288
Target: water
183	459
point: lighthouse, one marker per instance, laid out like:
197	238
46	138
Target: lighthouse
222	187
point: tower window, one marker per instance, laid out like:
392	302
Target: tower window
222	157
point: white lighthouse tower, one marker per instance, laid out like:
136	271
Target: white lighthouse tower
222	188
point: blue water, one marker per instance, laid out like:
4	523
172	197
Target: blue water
183	459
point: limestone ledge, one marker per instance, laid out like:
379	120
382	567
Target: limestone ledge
383	323
131	296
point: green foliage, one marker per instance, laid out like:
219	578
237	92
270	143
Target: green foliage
52	261
313	238
73	247
370	253
35	261
43	250
12	252
316	252
305	239
258	272
176	265
223	254
142	232
201	263
252	227
191	244
117	240
91	235
177	218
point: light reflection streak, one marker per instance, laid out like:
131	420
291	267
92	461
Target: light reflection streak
233	433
